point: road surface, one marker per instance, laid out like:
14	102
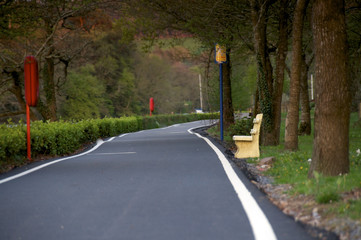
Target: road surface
166	183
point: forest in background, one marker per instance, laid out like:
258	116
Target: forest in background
100	66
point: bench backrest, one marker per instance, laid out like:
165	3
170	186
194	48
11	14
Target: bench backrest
255	131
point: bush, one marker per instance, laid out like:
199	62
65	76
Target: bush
12	142
59	138
241	127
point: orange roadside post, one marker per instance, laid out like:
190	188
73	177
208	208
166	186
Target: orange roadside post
31	77
151	105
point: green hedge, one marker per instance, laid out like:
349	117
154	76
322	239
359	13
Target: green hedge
59	138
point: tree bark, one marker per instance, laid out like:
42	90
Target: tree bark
280	69
228	117
291	134
265	70
332	86
49	88
305	123
48	109
270	91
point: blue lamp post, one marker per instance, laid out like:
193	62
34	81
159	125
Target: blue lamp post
220	58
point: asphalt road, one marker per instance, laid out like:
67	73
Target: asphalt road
157	184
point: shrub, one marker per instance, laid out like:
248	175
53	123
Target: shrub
241	127
59	138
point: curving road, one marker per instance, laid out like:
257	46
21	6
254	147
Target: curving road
158	184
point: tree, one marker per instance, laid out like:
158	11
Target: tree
58	24
282	48
198	19
44	29
332	86
113	58
291	135
269	90
84	95
305	120
353	18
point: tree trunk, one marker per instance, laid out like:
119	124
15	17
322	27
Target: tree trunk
305	123
270	92
332	86
49	88
291	134
265	71
280	69
48	109
228	117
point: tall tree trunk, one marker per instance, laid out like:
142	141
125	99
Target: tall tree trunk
332	86
270	92
49	87
291	134
280	68
305	123
228	117
265	70
48	109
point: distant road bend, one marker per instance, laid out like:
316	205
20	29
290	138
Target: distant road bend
168	183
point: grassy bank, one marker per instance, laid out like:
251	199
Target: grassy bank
337	194
292	168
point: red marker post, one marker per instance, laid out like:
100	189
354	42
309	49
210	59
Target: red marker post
31	77
151	105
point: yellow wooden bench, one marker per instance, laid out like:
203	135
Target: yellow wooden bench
248	146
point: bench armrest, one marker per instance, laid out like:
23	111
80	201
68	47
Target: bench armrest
243	138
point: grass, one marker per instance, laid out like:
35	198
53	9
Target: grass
292	168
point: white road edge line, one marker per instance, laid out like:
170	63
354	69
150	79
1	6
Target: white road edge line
174	125
110	139
122	135
261	227
115	153
99	142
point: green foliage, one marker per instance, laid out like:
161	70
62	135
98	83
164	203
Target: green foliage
327	197
12	141
244	84
64	137
265	98
241	127
84	95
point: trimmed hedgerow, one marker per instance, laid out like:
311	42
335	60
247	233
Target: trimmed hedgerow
62	137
